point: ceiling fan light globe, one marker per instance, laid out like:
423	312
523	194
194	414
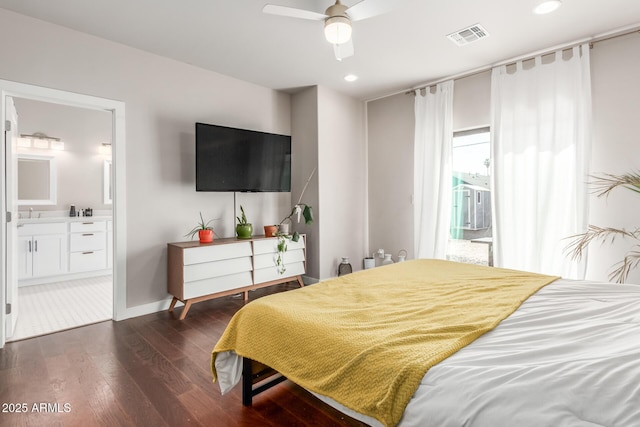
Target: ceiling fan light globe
337	29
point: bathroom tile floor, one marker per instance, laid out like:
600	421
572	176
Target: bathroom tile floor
53	307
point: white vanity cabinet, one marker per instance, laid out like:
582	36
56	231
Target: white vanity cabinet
87	245
42	249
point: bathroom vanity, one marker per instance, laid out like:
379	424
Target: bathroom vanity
54	249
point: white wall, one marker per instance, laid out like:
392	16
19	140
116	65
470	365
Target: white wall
472	102
328	131
164	98
80	166
615	66
342	180
390	162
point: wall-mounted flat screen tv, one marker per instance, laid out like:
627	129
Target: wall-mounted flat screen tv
230	159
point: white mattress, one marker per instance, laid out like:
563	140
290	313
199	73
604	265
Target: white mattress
569	356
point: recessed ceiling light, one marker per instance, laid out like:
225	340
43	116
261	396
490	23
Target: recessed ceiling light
351	77
547	6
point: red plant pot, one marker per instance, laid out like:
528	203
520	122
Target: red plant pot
270	230
206	236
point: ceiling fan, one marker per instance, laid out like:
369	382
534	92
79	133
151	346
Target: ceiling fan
337	20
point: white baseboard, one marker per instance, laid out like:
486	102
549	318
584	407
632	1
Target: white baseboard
308	280
154	307
144	309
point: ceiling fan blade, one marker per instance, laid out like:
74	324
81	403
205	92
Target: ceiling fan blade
368	8
293	12
343	50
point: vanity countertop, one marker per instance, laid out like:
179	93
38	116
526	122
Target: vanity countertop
46	219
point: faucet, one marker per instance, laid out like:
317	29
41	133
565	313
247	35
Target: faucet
30	212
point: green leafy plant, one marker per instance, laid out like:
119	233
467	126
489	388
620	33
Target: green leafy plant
302	208
283	238
202	225
282	248
603	186
242	219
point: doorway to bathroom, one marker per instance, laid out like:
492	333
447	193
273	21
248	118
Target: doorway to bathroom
68	270
65	240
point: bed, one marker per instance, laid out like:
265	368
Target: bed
562	352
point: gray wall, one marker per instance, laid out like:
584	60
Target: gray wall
164	98
615	65
304	131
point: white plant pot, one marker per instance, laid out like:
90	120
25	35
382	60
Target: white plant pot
284	228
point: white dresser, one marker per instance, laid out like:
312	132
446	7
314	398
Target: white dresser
199	272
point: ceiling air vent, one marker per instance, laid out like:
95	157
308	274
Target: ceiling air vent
468	35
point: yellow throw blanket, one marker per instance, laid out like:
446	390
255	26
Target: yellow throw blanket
366	339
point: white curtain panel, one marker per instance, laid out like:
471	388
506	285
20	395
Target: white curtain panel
432	170
541	145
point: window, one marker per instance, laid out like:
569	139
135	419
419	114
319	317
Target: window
470	237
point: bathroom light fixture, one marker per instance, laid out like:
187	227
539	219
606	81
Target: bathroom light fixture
41	141
546	6
105	148
351	77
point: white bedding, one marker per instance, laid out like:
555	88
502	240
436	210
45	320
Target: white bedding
569	356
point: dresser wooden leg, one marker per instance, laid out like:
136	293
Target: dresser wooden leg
173	304
187	306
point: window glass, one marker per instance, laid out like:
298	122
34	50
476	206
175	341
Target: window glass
470	237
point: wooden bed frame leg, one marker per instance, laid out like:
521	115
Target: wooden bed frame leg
247	384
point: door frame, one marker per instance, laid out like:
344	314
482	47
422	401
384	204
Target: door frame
117	109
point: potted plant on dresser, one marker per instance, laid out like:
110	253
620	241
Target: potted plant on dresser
283	229
244	229
298	208
203	230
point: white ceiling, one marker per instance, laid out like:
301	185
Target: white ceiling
393	52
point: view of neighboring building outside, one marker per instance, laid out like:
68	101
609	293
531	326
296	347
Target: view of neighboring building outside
470	239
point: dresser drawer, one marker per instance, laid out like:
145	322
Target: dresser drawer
87	226
216	284
80	242
216	252
265	246
87	261
269	260
42	228
262	275
205	270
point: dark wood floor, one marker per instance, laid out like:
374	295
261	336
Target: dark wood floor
152	370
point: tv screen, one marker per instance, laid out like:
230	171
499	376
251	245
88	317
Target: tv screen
229	159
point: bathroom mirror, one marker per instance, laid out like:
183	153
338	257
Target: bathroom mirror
36	179
108	197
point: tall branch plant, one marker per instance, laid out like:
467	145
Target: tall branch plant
603	186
